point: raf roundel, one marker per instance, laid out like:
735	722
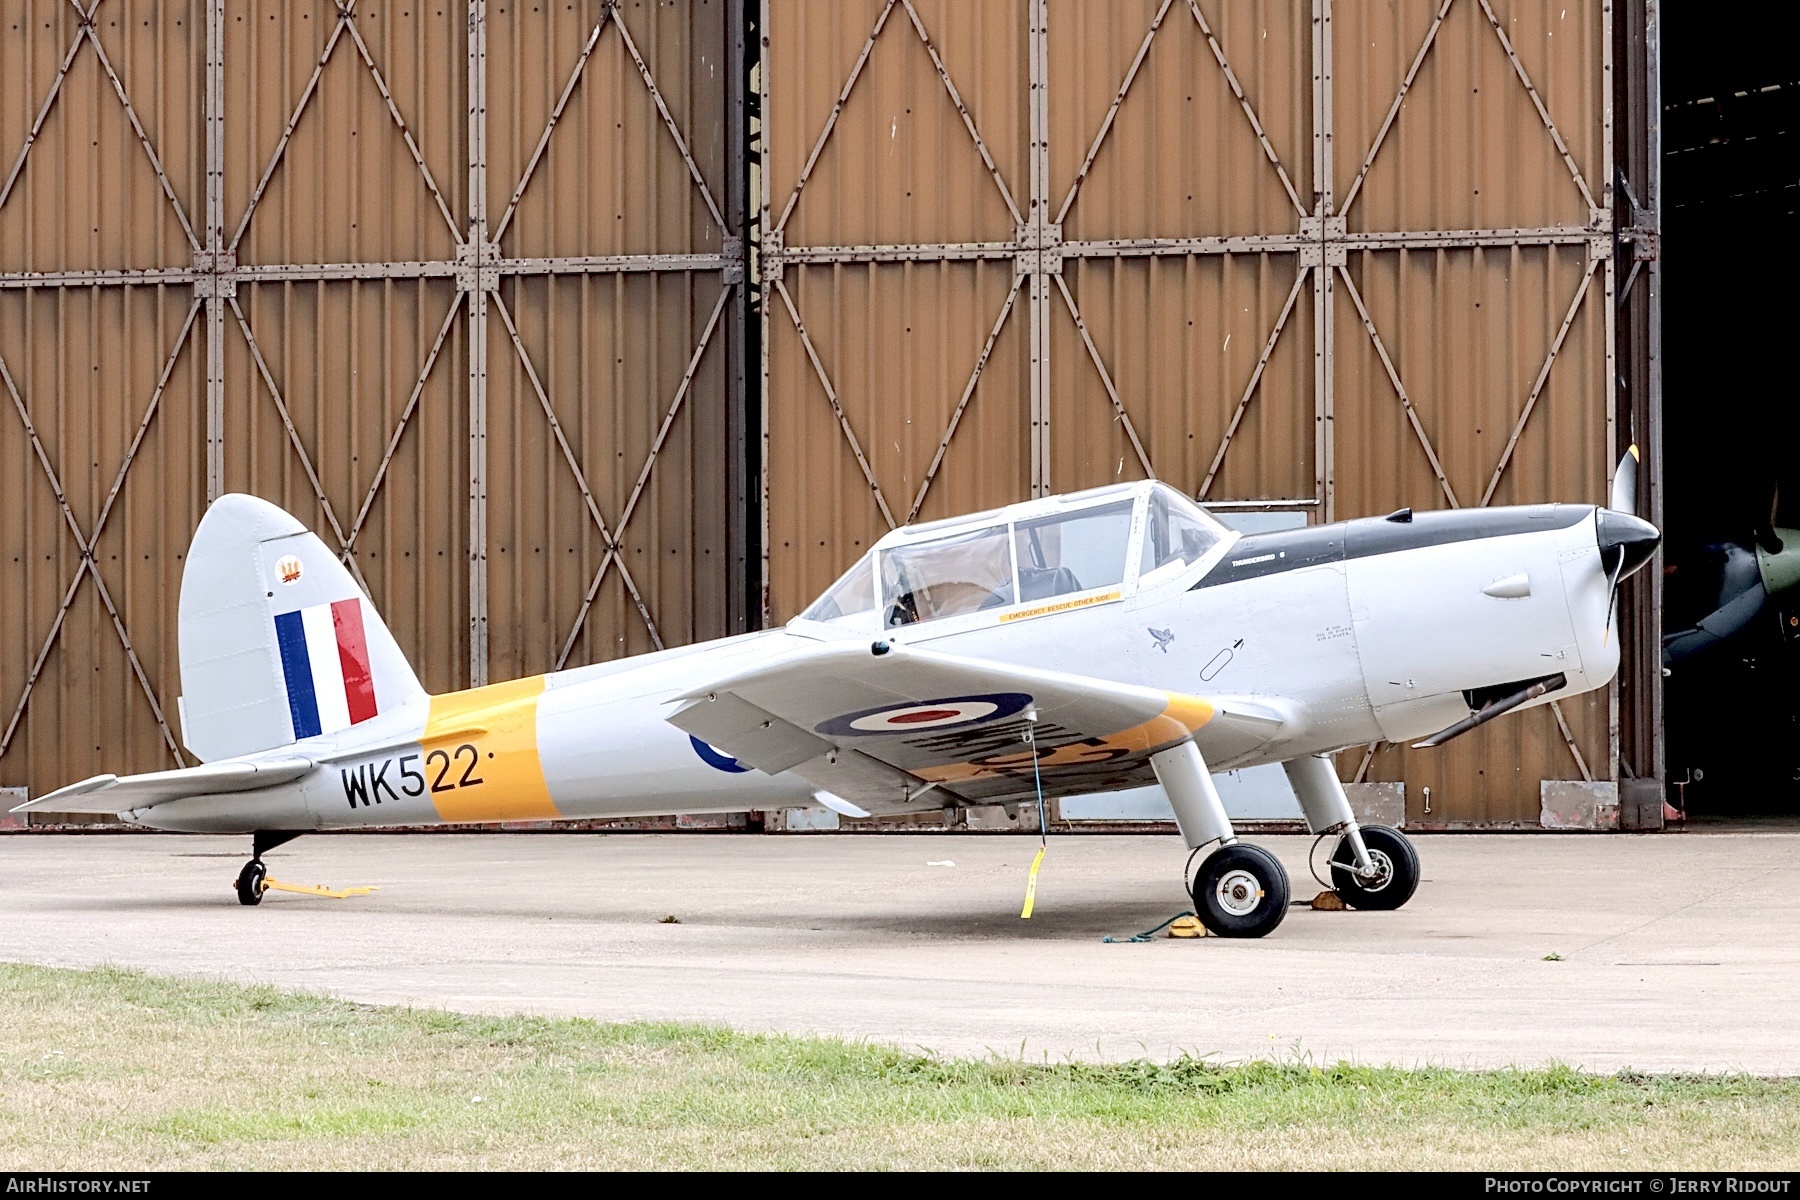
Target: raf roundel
716	758
925	716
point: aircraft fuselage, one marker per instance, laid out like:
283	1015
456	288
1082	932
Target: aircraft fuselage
1342	634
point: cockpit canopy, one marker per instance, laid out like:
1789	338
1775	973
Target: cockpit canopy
1083	545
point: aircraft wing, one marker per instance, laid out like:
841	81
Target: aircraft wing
914	729
115	794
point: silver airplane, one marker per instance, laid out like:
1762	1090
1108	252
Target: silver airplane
1075	644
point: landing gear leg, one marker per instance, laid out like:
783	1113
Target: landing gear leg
1373	867
252	881
1240	890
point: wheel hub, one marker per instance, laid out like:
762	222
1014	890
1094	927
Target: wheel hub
1380	876
1239	892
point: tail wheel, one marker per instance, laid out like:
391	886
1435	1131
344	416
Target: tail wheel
1241	891
1396	874
250	882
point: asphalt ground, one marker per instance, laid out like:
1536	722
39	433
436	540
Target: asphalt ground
1679	952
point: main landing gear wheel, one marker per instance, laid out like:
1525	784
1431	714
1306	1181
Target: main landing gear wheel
250	885
1396	870
1241	892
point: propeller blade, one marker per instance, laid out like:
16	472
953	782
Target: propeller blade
1624	486
1612	602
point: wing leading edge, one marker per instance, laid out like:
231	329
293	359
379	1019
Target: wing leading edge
913	729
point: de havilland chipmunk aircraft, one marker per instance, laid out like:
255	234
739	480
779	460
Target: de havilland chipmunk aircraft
1068	645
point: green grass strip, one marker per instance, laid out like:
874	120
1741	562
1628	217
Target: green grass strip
111	1069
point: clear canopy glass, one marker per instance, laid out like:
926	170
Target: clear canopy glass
1073	545
1073	552
1177	532
962	573
853	593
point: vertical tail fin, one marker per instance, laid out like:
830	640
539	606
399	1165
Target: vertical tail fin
278	643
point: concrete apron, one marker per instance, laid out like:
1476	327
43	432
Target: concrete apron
1678	952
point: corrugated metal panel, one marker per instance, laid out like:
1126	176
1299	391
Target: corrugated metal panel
612	353
1467	148
345	186
1180	339
1201	297
318	171
899	343
86	362
1638	149
1179	159
611	179
1165	151
87	195
321	157
79	192
1468	332
345	358
899	166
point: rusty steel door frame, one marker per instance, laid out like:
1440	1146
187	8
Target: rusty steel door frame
477	269
1320	239
1638	305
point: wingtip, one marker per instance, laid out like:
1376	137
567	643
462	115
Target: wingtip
93	783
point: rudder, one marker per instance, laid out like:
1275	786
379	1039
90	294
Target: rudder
277	641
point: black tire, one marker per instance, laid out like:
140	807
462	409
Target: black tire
1393	854
1241	892
250	883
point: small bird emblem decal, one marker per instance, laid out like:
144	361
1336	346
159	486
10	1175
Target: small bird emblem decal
1163	638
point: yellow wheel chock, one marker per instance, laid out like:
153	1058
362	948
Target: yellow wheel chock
308	889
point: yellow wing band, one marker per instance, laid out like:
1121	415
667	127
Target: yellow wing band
1183	716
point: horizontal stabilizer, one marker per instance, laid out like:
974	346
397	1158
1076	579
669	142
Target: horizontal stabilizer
113	794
